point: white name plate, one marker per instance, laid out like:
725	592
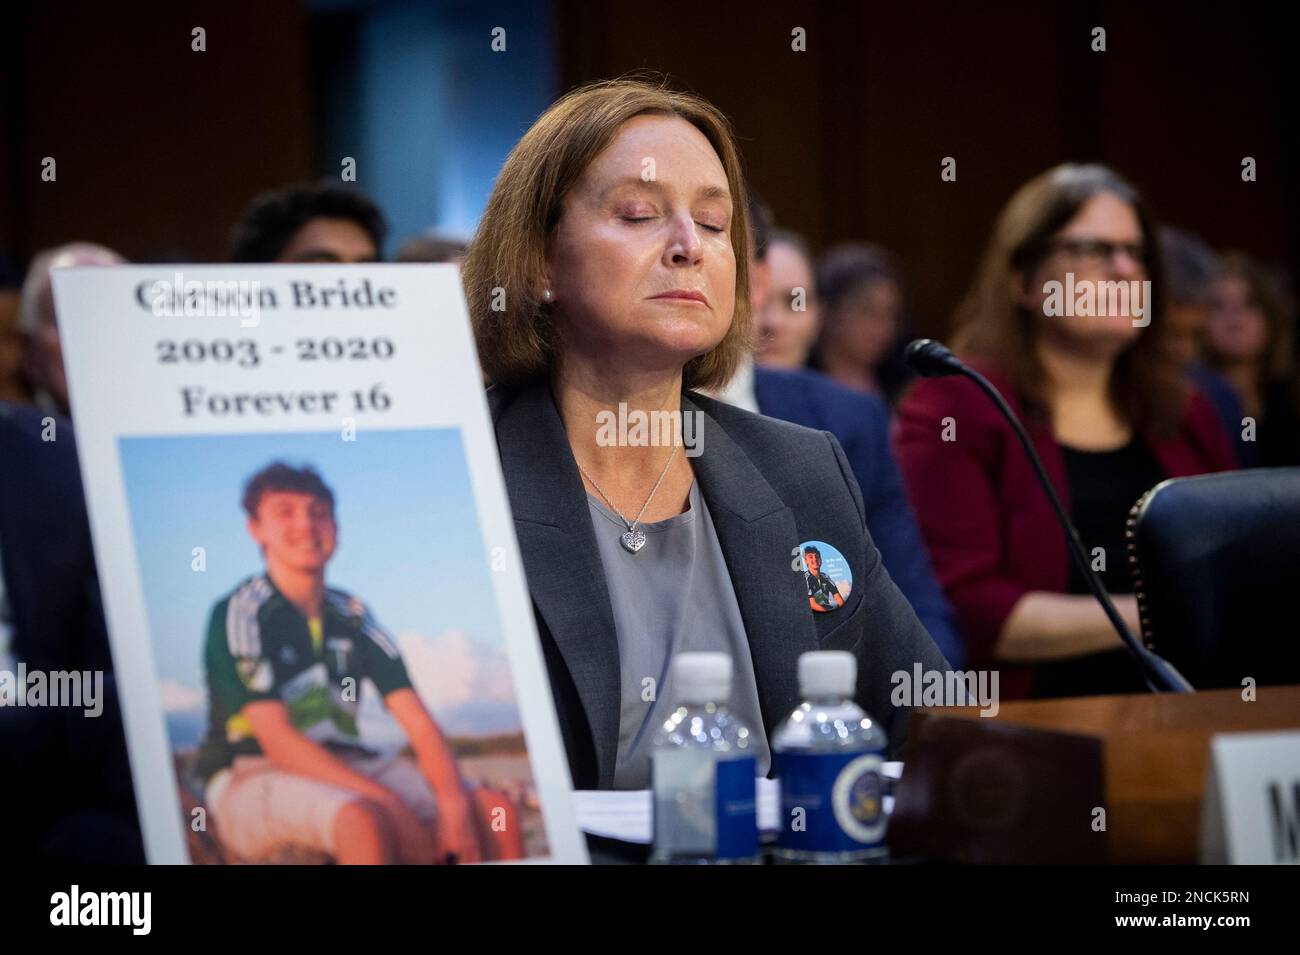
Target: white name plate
1251	811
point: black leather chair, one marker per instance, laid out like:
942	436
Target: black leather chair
1216	571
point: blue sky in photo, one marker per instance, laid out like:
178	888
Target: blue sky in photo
409	541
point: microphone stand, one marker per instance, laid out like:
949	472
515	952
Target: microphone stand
932	359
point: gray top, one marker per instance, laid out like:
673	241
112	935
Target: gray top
673	595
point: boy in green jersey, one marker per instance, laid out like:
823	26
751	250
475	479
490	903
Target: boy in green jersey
283	761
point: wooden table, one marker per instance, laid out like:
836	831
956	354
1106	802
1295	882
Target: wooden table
1024	785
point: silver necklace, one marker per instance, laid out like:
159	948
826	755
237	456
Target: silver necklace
632	540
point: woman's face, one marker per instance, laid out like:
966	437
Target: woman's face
641	263
1096	249
1238	328
868	322
788	323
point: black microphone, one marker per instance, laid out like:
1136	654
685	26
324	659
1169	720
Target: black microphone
932	359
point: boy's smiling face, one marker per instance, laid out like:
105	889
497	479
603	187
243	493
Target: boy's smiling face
295	530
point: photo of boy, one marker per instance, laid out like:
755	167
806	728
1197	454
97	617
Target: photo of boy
283	767
823	593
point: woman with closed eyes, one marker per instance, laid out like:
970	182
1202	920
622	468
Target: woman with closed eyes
609	271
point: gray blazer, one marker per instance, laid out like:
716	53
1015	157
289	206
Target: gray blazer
770	485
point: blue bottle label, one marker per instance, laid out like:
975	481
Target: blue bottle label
704	806
831	802
736	808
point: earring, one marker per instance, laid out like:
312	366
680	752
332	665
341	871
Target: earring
548	296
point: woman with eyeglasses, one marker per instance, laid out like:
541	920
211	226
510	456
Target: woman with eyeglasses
1065	318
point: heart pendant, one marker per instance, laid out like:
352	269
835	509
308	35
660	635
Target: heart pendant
633	541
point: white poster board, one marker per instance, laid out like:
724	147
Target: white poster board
377	563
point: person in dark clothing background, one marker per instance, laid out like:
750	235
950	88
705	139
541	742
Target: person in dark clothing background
1252	343
65	779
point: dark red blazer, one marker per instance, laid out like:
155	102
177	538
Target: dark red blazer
986	521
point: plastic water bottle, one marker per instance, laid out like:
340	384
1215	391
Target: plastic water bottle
828	756
703	770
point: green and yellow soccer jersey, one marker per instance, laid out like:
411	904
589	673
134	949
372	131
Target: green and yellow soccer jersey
260	647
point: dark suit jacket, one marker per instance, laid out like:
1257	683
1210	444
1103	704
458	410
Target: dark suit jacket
989	526
860	422
770	485
66	790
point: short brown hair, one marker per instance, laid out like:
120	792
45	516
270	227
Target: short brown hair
517	340
1148	385
278	476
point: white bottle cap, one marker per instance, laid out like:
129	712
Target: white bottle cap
702	677
824	673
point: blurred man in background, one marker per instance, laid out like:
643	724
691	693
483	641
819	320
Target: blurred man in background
309	223
42	348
